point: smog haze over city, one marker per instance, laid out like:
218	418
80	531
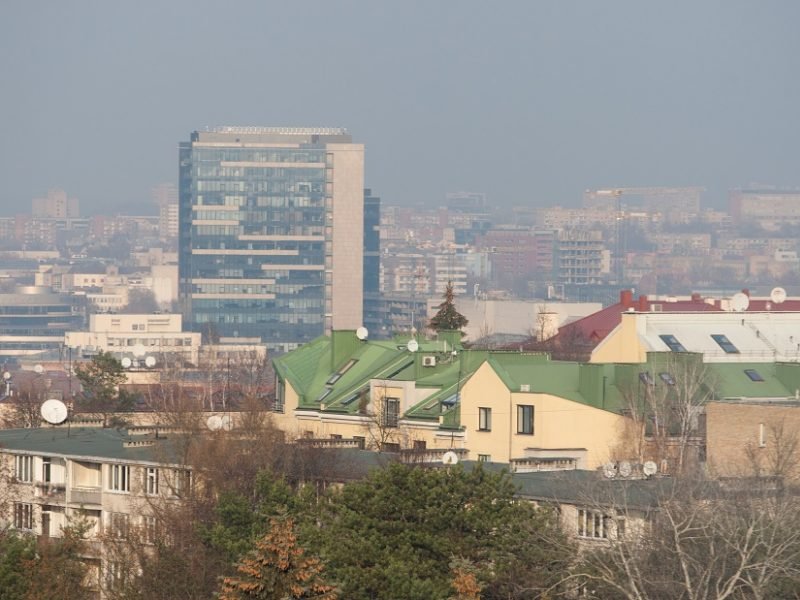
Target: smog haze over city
528	102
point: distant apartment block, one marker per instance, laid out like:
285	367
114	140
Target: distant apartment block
768	208
579	257
56	205
271	233
165	196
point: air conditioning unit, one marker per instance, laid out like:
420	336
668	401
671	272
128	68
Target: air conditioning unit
428	361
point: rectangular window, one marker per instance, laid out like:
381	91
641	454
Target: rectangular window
484	458
46	470
280	394
391	412
725	343
525	419
24	468
115	575
183	483
753	375
484	419
118	525
151	481
592	524
672	343
149	529
23	515
119	478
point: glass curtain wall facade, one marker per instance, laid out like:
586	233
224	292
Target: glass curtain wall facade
256	235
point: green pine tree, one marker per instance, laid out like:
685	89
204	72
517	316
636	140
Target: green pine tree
448	318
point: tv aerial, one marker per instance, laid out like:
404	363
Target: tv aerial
150	362
54	411
740	302
649	468
126	362
412	345
609	470
778	295
449	458
362	333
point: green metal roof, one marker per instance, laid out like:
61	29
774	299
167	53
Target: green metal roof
90	442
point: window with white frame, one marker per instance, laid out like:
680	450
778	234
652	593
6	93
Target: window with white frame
484	419
183	482
149	529
24	468
119	478
115	574
151	481
118	525
593	524
391	412
23	515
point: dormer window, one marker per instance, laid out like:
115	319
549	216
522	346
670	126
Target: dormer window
672	343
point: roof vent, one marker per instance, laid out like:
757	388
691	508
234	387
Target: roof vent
525	387
428	361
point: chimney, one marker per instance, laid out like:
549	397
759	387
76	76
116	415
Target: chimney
746	292
642	303
626	298
696	297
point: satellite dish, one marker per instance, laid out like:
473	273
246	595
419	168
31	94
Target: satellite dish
139	350
214	422
39	369
362	333
126	363
412	345
740	302
649	468
150	362
6	375
54	411
625	469
610	470
450	458
227	422
778	295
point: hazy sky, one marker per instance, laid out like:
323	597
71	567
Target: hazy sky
530	101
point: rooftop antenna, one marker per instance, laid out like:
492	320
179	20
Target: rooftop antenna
38	369
778	295
227	422
150	362
126	362
649	468
740	302
214	422
625	468
609	470
54	411
449	458
362	333
412	345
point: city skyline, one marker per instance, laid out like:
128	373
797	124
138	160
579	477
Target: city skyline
529	105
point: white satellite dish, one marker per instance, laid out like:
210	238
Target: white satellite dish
449	458
412	345
625	469
214	422
39	369
54	411
126	363
139	350
649	468
778	295
227	422
362	333
610	470
6	375
740	302
150	362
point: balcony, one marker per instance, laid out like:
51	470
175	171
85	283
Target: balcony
85	496
52	491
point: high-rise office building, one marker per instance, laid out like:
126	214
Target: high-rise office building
271	233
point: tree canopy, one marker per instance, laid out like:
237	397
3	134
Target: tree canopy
447	317
100	380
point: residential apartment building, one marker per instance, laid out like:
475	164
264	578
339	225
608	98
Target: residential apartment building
271	233
770	208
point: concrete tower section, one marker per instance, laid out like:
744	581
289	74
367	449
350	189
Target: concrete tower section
271	233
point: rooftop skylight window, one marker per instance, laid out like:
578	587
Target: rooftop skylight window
324	394
352	398
450	400
338	375
724	343
646	378
667	378
753	375
672	343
